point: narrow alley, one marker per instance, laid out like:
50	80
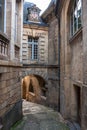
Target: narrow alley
43	64
38	117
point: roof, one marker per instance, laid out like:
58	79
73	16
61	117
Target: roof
35	23
25	12
50	7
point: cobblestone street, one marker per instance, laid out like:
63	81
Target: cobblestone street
38	117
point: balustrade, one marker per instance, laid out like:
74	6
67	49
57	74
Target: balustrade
4	43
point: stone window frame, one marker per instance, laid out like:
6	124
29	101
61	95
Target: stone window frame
33	45
74	20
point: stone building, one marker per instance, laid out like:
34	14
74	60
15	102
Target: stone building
10	68
39	57
72	17
53	51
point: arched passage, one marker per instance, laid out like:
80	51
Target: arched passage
34	89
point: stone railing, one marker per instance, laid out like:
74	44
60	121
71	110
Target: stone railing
4	43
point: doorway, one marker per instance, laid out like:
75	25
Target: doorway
33	89
77	103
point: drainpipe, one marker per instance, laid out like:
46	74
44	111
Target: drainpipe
59	41
59	57
57	14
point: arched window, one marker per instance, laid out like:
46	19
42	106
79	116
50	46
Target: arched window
75	17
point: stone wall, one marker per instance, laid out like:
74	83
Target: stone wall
53	55
53	42
50	77
73	67
10	95
10	68
14	29
84	91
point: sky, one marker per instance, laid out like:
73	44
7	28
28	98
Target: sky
42	4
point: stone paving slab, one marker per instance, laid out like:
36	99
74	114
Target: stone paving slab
38	117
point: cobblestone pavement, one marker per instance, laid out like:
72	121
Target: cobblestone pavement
38	117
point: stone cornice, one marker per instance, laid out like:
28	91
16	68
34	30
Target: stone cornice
10	63
35	27
3	35
40	66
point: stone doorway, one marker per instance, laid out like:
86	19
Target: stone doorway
77	103
34	89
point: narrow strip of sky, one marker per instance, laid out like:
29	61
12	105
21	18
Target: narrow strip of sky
42	4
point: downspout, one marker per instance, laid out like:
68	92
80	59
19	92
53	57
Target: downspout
59	55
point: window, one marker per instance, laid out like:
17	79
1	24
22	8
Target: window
33	47
75	17
2	14
16	21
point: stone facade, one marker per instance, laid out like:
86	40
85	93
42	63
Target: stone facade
72	65
10	95
46	65
53	70
42	34
34	31
10	68
53	54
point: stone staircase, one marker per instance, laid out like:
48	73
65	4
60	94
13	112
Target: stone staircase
73	125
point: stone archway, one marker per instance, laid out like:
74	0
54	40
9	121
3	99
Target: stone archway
35	71
34	88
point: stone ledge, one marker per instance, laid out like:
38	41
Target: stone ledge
40	65
10	63
4	35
